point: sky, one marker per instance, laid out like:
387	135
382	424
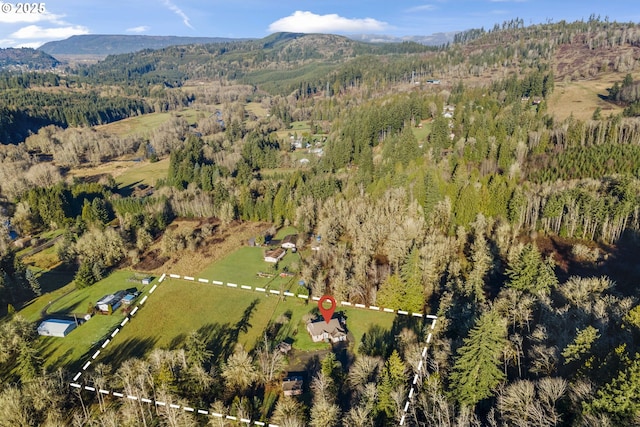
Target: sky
60	19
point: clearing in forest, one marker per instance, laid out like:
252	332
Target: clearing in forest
581	98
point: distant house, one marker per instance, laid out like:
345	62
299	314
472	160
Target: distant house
292	386
110	303
274	255
289	242
56	327
323	331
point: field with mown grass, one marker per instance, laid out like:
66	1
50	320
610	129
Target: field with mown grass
243	265
141	125
67	301
226	316
144	173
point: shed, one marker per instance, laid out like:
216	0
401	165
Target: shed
56	327
289	242
110	303
292	386
274	255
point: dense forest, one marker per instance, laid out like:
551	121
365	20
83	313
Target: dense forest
518	229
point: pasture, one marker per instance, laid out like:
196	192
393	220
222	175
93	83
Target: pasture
68	301
244	265
580	98
225	316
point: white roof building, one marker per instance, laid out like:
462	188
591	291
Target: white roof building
56	327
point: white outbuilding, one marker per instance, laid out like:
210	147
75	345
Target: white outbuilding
56	327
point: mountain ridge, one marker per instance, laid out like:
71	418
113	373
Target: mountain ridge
114	44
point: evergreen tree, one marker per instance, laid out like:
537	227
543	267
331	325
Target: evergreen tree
531	273
476	371
392	378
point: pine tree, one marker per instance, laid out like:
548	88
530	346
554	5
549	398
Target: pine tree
392	378
476	371
530	273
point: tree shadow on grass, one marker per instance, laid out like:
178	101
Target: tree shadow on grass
118	353
221	339
380	342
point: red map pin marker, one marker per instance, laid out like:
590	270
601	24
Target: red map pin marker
327	313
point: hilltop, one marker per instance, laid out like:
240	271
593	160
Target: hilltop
114	44
26	58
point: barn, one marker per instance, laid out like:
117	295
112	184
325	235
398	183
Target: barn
56	327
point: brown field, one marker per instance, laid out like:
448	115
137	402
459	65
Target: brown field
582	97
224	241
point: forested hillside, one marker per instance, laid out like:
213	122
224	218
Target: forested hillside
433	180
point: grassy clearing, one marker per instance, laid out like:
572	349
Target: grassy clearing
141	125
135	125
225	316
73	350
43	260
581	98
285	231
422	133
256	109
144	172
126	172
33	309
242	267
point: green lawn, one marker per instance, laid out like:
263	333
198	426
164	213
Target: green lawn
32	310
141	125
422	133
242	266
225	316
146	172
80	300
177	307
285	231
73	349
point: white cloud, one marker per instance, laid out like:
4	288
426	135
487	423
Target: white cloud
140	29
309	22
37	32
179	12
422	8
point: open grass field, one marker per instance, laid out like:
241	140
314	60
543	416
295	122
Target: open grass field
144	172
257	109
177	307
295	127
65	301
242	267
74	349
582	97
141	125
80	300
33	309
285	231
126	172
422	133
225	317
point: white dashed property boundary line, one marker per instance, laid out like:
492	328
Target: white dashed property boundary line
414	388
